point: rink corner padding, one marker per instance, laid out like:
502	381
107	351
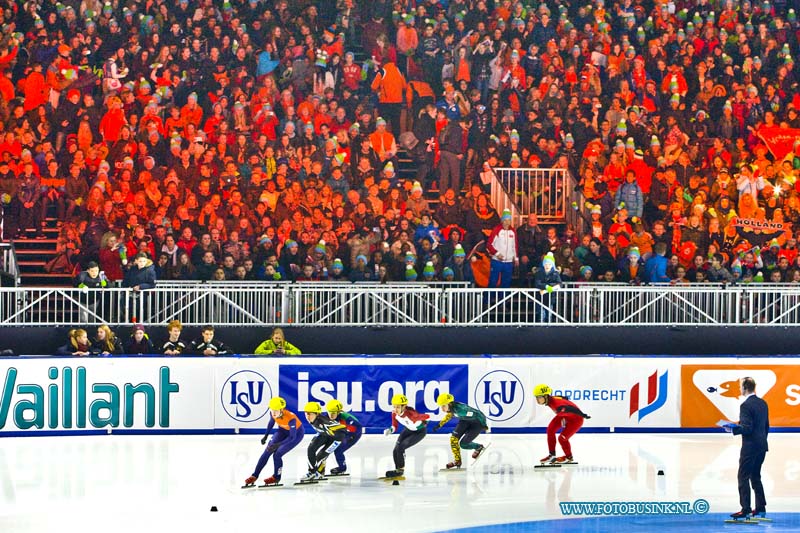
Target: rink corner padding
43	396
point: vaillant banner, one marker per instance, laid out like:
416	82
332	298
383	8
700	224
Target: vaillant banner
228	394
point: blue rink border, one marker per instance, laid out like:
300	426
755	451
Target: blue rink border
375	431
782	522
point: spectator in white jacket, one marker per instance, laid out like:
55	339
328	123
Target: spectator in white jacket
502	245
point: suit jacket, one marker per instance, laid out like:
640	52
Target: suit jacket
753	425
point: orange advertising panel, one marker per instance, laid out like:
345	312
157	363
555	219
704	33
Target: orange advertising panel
711	392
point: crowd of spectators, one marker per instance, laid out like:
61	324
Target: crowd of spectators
247	140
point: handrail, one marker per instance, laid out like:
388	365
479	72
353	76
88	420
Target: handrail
331	304
8	261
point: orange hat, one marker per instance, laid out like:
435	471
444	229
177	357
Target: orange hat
64	49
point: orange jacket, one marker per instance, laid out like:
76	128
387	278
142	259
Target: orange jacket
389	84
421	88
382	142
191	116
7	91
36	91
111	124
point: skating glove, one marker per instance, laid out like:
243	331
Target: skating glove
263	440
388	431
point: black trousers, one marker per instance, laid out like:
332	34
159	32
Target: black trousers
321	447
750	474
406	440
467	431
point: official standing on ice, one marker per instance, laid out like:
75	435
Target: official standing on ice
753	427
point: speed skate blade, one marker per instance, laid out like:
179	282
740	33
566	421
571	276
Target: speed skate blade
548	465
483	452
459	469
271	486
396	478
747	521
335	475
252	486
315	482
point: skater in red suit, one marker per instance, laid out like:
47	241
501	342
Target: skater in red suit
569	418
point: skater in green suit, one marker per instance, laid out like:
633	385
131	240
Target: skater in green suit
471	423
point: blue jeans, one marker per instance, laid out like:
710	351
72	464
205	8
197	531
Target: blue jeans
500	272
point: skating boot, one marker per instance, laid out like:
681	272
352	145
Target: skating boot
564	459
453	465
338	470
477	453
394	473
250	482
311	476
550	459
272	480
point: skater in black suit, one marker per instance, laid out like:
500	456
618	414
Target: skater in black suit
753	427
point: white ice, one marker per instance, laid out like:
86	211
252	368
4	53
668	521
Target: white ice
169	483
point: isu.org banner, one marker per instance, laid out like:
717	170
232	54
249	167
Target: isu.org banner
224	394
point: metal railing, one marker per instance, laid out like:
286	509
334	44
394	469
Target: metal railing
336	304
544	191
8	261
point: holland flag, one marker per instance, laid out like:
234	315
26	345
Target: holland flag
655	397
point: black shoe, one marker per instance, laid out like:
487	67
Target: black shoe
339	470
741	515
394	473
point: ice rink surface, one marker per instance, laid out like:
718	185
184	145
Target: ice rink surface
169	483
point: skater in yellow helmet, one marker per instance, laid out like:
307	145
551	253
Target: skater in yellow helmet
569	419
471	423
288	435
354	431
330	435
415	429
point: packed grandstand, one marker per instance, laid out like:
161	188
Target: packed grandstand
359	140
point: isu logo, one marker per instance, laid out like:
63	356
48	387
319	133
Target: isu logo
245	396
500	395
721	387
646	398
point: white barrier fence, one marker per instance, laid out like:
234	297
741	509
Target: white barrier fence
331	304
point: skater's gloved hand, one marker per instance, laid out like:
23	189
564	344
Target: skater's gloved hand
263	440
388	431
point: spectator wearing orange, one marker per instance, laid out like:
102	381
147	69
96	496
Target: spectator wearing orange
390	84
113	121
191	113
34	88
383	142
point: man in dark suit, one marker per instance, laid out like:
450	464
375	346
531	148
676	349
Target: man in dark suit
753	427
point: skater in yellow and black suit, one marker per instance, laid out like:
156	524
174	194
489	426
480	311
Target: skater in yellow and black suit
471	423
330	435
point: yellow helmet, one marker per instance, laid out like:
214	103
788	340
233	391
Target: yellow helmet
444	399
399	399
542	390
277	403
334	406
312	407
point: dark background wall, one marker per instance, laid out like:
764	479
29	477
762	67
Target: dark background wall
465	341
